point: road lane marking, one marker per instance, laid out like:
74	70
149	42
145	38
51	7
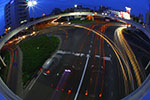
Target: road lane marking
35	80
97	56
89	51
82	54
147	65
81	81
107	58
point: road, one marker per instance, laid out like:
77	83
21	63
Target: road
82	51
6	38
15	70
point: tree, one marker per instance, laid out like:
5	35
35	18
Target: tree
56	11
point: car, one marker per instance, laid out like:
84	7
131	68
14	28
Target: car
50	64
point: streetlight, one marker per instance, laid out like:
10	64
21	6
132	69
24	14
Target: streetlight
75	5
32	3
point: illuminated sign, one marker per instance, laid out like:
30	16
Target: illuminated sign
128	9
124	15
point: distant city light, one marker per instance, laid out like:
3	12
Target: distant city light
32	3
75	6
124	15
43	14
9	28
23	21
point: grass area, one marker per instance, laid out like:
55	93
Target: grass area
4	70
81	21
35	52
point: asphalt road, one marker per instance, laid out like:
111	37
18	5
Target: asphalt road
79	49
41	93
141	46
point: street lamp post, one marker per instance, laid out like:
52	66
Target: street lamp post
31	4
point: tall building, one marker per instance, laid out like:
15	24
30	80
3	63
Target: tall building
147	17
103	8
147	21
140	17
16	14
56	11
79	8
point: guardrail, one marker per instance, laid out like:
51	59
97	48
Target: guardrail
139	92
7	93
11	96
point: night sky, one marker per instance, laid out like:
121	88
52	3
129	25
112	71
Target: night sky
46	6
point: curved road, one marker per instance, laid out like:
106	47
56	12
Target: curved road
6	92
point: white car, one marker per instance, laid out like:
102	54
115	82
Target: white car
50	64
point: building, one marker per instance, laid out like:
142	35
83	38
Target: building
16	14
140	18
148	17
79	8
56	11
111	12
103	8
82	10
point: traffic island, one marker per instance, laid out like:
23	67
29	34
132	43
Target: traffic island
35	52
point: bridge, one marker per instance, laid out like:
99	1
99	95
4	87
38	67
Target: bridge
7	94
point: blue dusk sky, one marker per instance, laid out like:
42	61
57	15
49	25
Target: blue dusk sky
46	6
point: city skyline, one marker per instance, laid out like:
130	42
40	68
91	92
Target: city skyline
16	14
75	49
46	7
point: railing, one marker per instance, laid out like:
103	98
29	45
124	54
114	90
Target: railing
137	94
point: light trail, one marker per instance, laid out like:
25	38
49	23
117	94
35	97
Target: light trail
130	54
78	13
103	70
66	34
114	49
94	60
60	85
97	73
12	59
103	28
91	27
80	49
81	81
